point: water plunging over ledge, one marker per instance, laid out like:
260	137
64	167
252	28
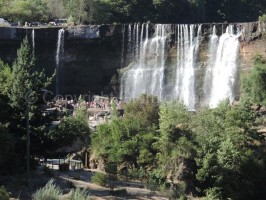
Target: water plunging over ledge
171	61
149	58
59	57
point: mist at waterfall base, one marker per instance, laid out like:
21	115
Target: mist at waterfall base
151	73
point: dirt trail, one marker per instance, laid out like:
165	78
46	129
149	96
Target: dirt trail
133	189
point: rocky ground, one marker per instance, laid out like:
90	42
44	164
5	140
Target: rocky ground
78	179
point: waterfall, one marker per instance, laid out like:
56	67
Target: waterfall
212	49
224	68
123	46
134	41
147	73
129	50
59	55
33	39
185	77
187	51
137	41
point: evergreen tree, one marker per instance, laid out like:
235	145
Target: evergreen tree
25	103
26	80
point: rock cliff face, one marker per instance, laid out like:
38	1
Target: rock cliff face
93	54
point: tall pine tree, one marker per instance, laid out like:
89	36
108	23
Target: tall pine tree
26	80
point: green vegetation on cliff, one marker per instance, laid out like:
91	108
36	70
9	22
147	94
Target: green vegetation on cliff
120	11
254	86
218	153
215	152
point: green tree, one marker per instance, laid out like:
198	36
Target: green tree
175	145
254	86
28	10
5	84
69	130
7	150
5	78
224	147
55	9
129	139
27	82
145	108
78	10
25	103
262	18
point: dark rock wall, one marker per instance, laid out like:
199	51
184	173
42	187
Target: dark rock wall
92	54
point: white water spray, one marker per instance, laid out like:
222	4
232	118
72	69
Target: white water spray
187	51
147	74
33	39
59	55
225	68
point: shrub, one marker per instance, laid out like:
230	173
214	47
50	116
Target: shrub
49	192
213	194
71	21
4	195
99	179
78	194
262	18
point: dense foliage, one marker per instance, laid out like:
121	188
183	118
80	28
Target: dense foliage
216	153
69	130
4	195
254	86
110	11
99	178
20	86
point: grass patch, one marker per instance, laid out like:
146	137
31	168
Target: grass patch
99	179
49	192
78	194
4	194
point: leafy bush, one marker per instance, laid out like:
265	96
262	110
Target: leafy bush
71	20
70	129
78	194
262	18
99	179
4	195
213	194
49	192
254	86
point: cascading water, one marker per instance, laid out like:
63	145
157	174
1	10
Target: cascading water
129	49
147	73
207	86
187	50
123	46
33	39
59	56
183	77
225	68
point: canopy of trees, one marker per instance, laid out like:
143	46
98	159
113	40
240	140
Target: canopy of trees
120	11
20	90
217	153
214	153
254	86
